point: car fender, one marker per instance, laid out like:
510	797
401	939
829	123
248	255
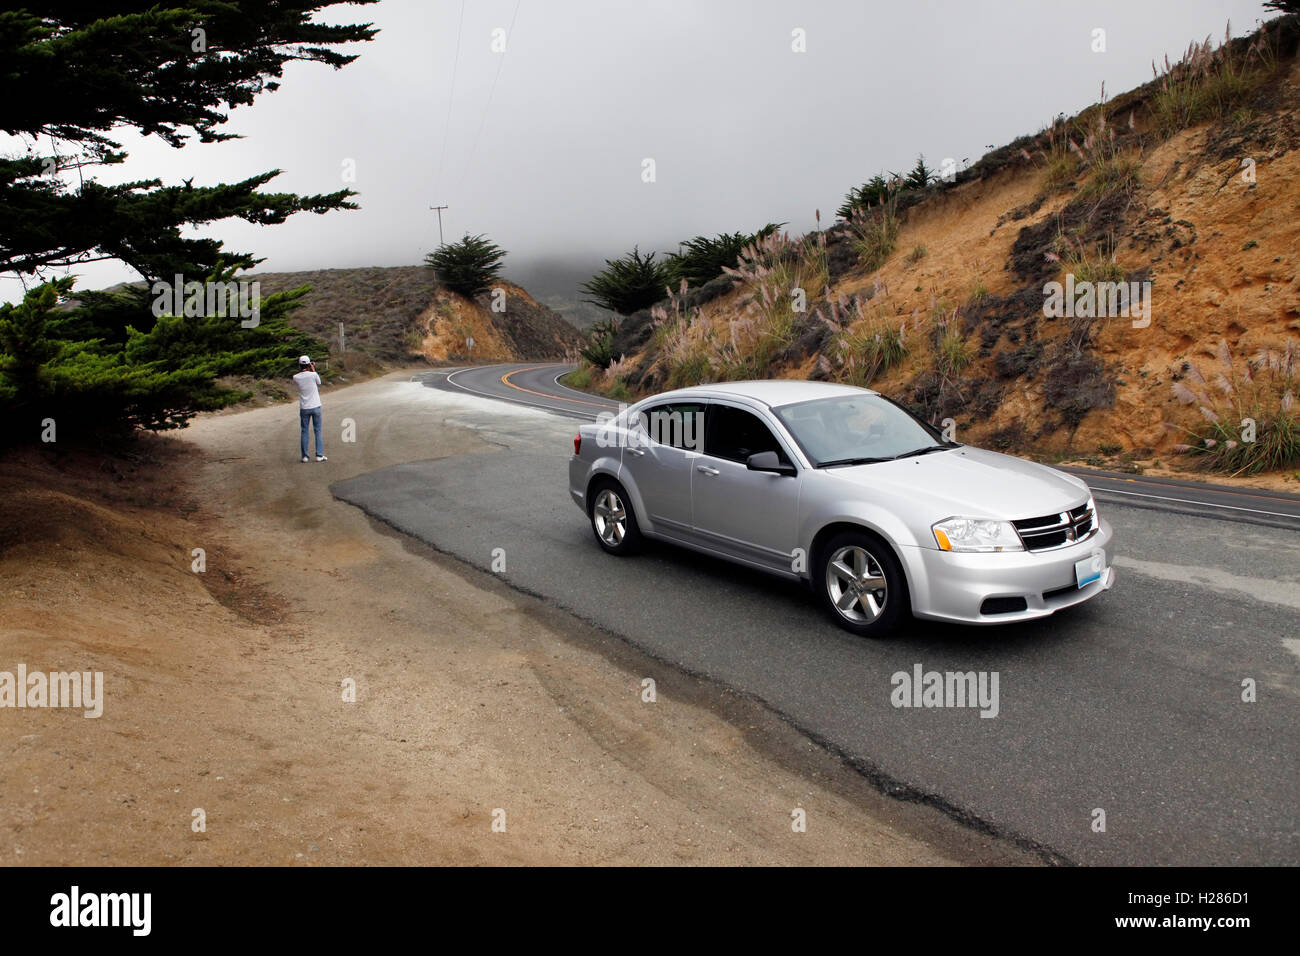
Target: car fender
606	466
873	517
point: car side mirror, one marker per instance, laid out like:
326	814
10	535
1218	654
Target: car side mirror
770	462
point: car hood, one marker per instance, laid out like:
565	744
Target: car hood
969	482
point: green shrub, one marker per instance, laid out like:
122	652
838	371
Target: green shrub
702	258
580	378
629	284
862	198
879	189
599	348
469	266
920	176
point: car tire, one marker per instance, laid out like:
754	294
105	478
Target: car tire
861	584
613	520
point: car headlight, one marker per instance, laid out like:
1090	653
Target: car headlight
1092	506
976	534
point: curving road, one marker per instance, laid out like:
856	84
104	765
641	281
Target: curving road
1131	705
537	386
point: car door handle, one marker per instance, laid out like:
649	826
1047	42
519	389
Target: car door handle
636	451
706	470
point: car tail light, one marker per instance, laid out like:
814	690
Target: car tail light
577	444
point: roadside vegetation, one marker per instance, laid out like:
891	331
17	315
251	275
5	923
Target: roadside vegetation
1250	411
880	187
628	284
704	258
1208	84
869	348
875	232
468	266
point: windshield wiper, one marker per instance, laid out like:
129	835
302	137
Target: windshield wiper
923	451
852	461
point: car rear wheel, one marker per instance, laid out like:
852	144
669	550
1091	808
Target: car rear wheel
612	519
862	584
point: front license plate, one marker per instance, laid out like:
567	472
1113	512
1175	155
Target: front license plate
1089	569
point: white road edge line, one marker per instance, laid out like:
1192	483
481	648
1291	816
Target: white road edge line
500	398
1111	491
586	395
1188	501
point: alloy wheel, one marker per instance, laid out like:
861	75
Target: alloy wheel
856	584
609	515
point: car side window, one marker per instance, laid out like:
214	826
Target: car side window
735	434
678	424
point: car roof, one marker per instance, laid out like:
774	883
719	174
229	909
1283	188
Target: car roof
771	392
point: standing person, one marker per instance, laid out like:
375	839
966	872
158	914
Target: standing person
309	409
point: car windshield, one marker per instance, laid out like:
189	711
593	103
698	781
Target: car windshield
856	429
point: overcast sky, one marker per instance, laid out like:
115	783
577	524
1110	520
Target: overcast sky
743	130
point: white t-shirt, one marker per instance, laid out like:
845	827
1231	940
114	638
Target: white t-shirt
308	396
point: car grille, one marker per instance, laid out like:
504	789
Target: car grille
1058	530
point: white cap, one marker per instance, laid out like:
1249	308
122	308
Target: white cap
304	360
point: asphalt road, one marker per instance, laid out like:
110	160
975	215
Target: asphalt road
537	385
1131	704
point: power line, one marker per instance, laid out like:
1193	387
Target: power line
510	32
451	96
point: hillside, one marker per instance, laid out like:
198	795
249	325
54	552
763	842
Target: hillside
399	312
954	316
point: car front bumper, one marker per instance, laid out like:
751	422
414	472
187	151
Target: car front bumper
950	586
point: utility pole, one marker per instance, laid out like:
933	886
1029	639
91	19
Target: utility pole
440	209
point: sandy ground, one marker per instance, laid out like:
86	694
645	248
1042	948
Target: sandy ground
224	689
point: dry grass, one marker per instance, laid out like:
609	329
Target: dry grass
1252	418
1209	83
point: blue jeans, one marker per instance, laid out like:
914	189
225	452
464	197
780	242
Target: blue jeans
312	415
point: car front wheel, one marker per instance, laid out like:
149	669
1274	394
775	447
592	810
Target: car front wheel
862	584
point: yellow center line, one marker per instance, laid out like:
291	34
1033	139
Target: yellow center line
505	380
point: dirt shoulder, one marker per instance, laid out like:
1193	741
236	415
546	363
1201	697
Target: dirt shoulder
223	689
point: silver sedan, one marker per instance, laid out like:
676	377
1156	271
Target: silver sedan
844	489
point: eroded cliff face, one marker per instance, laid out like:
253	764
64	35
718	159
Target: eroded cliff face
997	284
